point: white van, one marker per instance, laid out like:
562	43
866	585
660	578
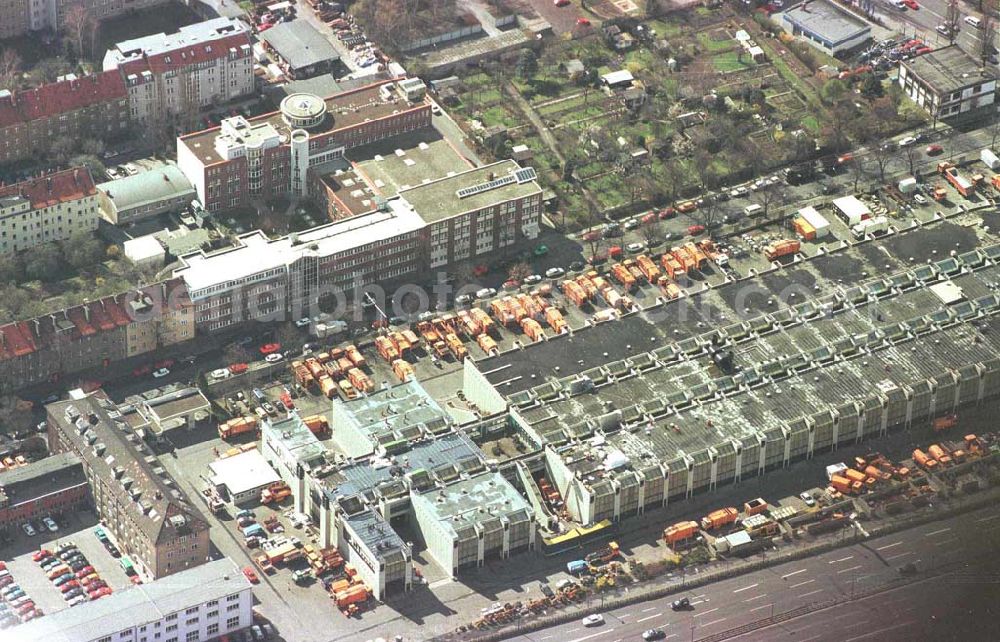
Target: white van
753	210
972	20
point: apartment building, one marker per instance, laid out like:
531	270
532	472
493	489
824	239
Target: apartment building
271	154
152	521
202	64
46	487
91	106
96	334
19	17
47	208
203	603
949	84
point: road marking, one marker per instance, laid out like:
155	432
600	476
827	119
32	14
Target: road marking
788	575
766	606
545	637
672	635
652	608
900	555
802	583
571	630
812	593
879	631
842	559
847	570
882	548
947	541
988	519
854	624
712	622
815	637
707	612
649	617
938	532
746	588
756	597
592	635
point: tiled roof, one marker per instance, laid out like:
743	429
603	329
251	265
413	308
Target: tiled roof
186	56
57	98
43	191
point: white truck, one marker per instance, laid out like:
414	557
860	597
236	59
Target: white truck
989	159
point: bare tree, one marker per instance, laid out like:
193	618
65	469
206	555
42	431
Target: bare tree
771	195
652	232
857	171
10	65
519	271
78	23
912	153
953	21
988	30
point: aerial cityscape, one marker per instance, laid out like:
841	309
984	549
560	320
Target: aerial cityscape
481	320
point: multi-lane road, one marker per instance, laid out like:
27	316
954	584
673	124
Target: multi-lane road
838	575
924	22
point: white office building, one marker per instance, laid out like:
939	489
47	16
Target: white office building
201	603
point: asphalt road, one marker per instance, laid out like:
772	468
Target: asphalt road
924	21
839	574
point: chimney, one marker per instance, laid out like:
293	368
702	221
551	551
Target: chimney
86	309
76	176
48	183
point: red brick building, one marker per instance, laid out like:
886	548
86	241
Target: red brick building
271	154
94	106
40	489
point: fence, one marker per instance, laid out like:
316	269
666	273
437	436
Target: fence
702	579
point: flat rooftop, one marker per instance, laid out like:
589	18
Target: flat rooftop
138	605
826	21
472	190
40	478
949	69
179	403
296	438
203	270
344	110
888	332
408	161
243	472
349	187
474	500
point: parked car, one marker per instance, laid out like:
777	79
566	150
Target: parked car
221	373
62	579
593	620
250	575
50	524
79	599
274	357
463	299
808	499
681	604
554	272
85	571
28	529
532	279
486	293
654	634
69	586
694	230
40	555
159	374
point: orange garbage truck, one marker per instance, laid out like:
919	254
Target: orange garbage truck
237	426
317	424
719	518
940	454
778	249
679	532
922	460
276	492
532	329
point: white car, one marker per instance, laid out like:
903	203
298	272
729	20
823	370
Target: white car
221	373
738	191
555	272
906	142
532	279
463	299
28	529
635	248
79	599
50	524
303	322
593	620
159	374
808	499
632	223
274	357
486	293
920	199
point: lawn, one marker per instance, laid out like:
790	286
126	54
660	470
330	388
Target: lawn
705	38
729	61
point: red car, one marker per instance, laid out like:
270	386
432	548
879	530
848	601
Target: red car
27	617
845	158
480	270
166	363
510	284
667	212
912	4
250	575
615	251
934	150
269	348
84	572
38	556
593	235
99	593
648	218
238	368
72	584
583	22
26	608
142	370
560	3
695	230
135	579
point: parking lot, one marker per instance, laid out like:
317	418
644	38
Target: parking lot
76	528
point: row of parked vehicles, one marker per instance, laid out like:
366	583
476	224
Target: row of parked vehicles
16	606
69	570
